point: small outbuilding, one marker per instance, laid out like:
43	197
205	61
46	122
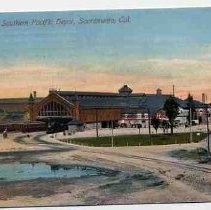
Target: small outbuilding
74	126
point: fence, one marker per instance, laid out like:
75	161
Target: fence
23	127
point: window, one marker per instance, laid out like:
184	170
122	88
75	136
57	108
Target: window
54	109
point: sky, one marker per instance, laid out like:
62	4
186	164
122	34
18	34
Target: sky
157	48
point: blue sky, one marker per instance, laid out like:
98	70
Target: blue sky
153	40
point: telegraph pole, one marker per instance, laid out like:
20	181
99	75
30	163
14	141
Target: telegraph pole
149	122
173	91
191	134
208	132
96	115
112	133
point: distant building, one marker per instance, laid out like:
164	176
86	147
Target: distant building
14	109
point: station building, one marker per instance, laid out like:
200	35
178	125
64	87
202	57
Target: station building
87	107
122	108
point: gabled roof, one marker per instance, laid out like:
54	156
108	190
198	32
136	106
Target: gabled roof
75	122
153	102
196	104
181	103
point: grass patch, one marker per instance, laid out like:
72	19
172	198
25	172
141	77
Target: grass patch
138	140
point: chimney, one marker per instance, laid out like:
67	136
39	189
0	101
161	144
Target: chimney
203	98
159	91
52	90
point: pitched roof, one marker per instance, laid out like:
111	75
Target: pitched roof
16	100
75	122
152	102
102	100
86	93
198	104
110	102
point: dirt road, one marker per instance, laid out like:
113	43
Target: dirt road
146	175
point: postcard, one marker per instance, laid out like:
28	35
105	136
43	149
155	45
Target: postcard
105	107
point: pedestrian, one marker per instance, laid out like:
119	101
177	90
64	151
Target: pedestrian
5	134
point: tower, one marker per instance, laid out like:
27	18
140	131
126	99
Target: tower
159	91
125	90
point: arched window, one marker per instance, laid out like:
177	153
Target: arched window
54	109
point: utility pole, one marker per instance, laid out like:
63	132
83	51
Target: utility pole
96	118
191	134
139	129
112	133
208	132
173	90
149	122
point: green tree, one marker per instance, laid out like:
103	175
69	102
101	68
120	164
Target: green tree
31	98
165	125
155	123
171	109
191	108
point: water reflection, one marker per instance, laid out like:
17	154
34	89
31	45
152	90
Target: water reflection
25	171
54	167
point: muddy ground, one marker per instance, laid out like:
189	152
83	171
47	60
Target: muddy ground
144	175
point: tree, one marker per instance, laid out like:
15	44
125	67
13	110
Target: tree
171	109
165	125
155	123
31	98
191	108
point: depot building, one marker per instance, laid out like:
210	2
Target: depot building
89	108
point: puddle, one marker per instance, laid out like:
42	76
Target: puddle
23	171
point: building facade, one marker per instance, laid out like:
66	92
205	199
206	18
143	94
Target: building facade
124	108
102	109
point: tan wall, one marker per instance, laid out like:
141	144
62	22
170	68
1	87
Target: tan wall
99	114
